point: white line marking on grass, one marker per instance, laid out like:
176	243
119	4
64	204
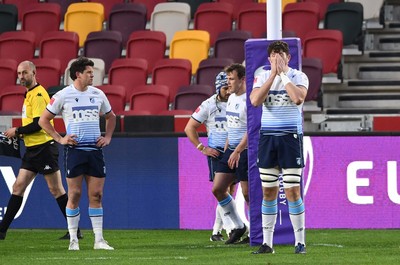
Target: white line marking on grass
77	258
159	258
328	245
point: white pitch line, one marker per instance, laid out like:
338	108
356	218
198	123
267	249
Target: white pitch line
328	245
159	258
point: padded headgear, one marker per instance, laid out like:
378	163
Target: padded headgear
221	80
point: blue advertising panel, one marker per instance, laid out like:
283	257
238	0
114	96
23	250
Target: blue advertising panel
141	189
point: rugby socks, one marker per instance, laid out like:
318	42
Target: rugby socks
227	223
73	216
62	203
218	222
269	210
13	206
297	217
228	206
96	217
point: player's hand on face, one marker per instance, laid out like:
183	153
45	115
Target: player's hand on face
273	62
280	64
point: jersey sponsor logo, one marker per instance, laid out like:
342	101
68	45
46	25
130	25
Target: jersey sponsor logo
220	124
233	119
85	113
197	110
52	101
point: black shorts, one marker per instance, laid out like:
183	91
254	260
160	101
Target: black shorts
42	158
241	171
213	164
284	151
81	162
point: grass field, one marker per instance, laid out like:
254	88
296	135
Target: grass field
166	247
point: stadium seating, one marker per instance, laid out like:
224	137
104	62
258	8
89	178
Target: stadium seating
173	73
116	96
169	18
108	5
84	18
326	44
12	98
63	5
152	98
8	73
127	18
8	17
283	2
252	17
194	4
40	18
236	4
300	18
128	73
21	5
106	45
150	4
60	45
18	45
214	18
323	6
99	72
209	68
312	67
190	97
148	45
193	45
348	18
230	44
48	71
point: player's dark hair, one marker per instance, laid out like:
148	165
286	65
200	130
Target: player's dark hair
239	68
277	47
79	65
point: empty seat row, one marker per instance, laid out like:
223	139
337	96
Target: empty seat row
150	99
192	45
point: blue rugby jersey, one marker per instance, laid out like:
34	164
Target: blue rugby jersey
81	113
280	115
236	115
213	115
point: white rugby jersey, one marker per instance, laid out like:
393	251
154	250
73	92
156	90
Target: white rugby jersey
81	113
280	115
213	115
236	115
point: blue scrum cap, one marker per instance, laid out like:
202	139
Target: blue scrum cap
220	81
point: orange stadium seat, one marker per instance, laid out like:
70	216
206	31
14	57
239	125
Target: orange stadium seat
84	18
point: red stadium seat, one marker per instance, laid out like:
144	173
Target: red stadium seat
128	73
17	45
61	45
214	18
173	73
148	45
40	18
152	98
